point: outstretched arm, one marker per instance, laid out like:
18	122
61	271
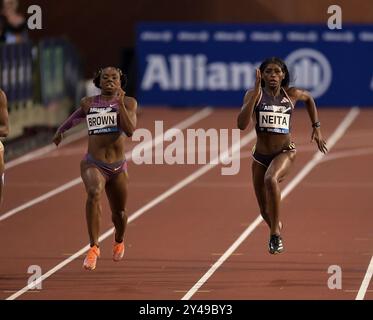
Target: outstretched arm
316	136
74	119
249	102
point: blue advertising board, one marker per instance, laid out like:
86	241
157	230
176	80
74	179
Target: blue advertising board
214	64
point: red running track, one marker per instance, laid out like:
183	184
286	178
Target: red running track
327	219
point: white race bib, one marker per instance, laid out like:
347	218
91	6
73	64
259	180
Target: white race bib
101	120
274	120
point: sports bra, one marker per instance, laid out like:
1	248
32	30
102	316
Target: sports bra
273	114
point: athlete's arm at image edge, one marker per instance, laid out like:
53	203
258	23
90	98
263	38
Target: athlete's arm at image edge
4	117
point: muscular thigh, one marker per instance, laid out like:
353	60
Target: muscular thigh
116	191
258	172
91	176
280	165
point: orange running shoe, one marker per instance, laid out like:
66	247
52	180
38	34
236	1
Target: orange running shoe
91	258
118	251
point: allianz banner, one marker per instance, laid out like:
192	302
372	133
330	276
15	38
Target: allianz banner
214	64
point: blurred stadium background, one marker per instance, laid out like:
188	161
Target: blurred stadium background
45	76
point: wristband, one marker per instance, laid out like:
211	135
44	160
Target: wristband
316	125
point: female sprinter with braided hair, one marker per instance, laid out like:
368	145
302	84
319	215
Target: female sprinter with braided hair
270	105
108	116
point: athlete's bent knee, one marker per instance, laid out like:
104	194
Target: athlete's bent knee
94	193
119	213
270	181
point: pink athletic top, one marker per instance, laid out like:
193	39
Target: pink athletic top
102	117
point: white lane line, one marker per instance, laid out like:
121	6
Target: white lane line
350	117
195	175
39	152
348	153
42	198
147	146
365	284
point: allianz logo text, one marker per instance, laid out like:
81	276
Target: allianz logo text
195	72
309	68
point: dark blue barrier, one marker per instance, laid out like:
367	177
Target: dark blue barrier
12	94
5	69
59	70
56	76
213	64
50	88
16	77
73	71
27	55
